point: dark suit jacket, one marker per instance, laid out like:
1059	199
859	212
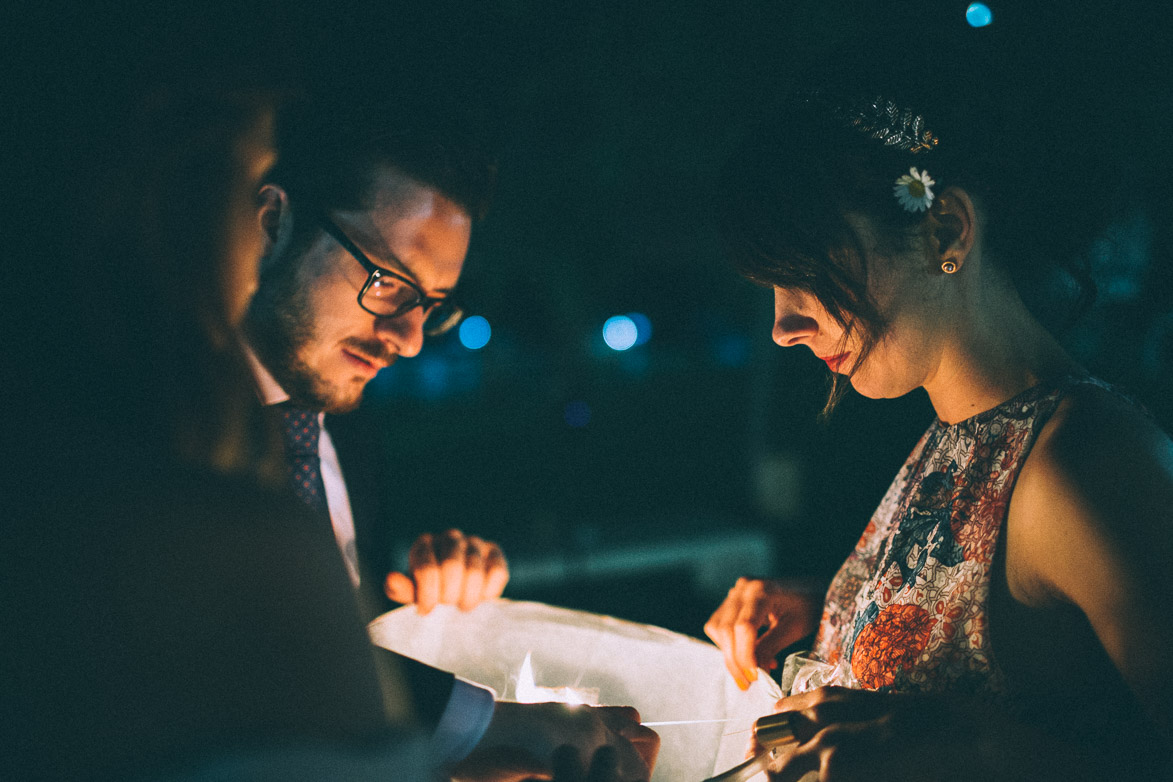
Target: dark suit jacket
170	614
364	465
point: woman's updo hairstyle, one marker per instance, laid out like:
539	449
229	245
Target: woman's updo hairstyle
851	127
788	190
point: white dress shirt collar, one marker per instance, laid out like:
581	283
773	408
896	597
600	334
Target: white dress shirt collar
268	389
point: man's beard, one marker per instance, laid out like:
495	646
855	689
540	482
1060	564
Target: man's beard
279	325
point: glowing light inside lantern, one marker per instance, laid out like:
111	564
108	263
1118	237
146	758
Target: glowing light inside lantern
528	692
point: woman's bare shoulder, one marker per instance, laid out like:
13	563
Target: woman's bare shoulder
1092	512
1095	406
1101	444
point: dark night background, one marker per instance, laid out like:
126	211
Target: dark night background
703	457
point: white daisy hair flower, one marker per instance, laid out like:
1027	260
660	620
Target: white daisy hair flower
914	190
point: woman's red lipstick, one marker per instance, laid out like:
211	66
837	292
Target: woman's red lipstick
834	362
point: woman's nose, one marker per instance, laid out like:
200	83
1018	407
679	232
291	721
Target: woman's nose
791	326
790	330
403	334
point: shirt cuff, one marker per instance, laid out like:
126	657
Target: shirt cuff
464	721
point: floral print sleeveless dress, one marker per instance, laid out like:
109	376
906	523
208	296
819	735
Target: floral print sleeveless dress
908	609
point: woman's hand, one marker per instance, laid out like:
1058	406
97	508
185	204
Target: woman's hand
758	619
848	735
841	734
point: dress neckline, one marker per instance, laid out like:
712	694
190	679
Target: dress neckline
1024	397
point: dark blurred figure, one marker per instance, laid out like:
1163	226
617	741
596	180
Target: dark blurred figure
167	606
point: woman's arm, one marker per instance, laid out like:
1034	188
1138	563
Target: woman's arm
1091	524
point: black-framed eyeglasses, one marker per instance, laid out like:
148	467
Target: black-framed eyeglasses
391	294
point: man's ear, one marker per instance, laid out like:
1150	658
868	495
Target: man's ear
274	220
953	226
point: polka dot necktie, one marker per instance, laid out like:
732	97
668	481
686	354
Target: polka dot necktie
302	431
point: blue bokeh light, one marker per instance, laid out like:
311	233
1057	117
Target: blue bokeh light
577	414
475	332
978	15
434	377
643	327
733	350
620	332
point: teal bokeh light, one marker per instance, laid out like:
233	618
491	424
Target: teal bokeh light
620	332
978	15
475	332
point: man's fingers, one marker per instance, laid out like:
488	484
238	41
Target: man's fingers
604	766
451	555
496	572
635	754
567	764
452	569
399	588
485	573
646	742
617	717
625	721
474	577
501	764
426	574
422	552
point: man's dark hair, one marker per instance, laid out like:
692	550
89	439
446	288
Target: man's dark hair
328	154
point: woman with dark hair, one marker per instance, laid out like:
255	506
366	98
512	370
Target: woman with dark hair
1002	616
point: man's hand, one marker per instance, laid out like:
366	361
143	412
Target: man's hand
569	766
757	620
450	568
548	740
515	765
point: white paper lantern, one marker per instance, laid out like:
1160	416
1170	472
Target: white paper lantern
668	677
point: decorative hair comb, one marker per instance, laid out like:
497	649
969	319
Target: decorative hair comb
879	119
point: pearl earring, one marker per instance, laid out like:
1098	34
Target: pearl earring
948	267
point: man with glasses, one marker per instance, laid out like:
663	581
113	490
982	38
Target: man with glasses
364	238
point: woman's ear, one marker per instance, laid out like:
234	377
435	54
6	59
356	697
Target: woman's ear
273	220
953	226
